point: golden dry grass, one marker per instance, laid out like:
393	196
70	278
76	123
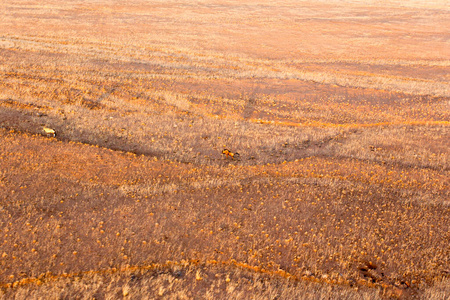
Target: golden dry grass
339	112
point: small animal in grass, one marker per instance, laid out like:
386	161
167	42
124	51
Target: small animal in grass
233	155
49	132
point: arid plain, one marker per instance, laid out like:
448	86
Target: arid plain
339	110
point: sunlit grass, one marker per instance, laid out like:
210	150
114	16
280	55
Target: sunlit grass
343	139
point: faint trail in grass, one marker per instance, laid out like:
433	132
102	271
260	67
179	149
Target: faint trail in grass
368	125
196	264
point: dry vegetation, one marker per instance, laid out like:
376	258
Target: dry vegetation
340	113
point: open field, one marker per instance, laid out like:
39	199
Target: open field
339	110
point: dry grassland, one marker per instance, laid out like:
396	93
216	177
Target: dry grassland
339	110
